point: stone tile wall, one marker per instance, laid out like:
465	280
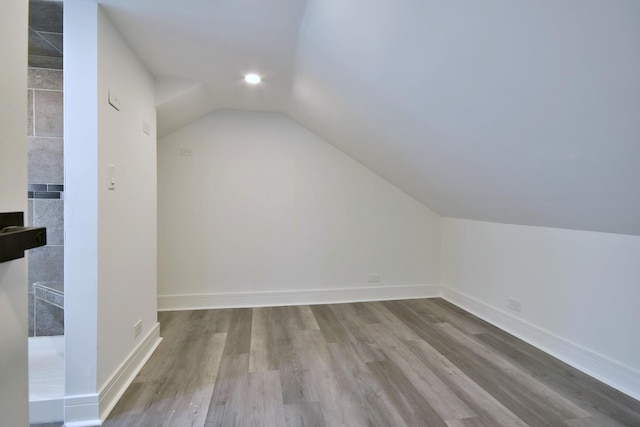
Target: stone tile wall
46	200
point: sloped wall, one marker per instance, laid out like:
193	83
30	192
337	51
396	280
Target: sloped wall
510	112
265	212
579	291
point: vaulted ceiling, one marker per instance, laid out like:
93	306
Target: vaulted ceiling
522	112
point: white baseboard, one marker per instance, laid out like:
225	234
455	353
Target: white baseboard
46	379
115	387
610	372
46	411
301	297
91	410
82	410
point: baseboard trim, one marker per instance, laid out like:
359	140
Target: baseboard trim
610	372
46	405
46	411
302	297
82	410
115	387
92	409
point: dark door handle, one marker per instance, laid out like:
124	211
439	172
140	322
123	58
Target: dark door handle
15	238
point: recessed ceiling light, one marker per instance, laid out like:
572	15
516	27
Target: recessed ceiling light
252	79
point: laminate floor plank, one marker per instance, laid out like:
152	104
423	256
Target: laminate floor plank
346	318
411	363
297	387
264	341
595	421
239	332
359	383
438	395
311	351
469	422
192	396
332	330
401	329
263	400
229	405
468	325
284	323
232	368
531	402
294	373
300	318
475	397
175	386
304	415
358	331
408	401
596	397
544	396
322	382
364	311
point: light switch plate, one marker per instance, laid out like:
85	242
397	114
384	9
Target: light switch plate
114	99
111	177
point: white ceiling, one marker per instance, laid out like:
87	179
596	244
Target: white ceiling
200	50
521	112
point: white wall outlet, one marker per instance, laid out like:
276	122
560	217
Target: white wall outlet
146	127
187	151
137	328
112	177
114	99
514	305
373	278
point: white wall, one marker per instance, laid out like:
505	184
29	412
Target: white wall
13	183
127	230
80	204
111	241
265	206
579	291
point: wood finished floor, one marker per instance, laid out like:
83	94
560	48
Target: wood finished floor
398	363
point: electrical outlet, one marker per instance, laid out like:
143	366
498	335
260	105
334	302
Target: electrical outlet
514	305
374	278
137	328
187	151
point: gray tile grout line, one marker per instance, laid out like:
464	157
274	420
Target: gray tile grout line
33	112
46	90
44	137
42	68
33	100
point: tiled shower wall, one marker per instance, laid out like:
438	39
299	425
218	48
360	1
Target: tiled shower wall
46	198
